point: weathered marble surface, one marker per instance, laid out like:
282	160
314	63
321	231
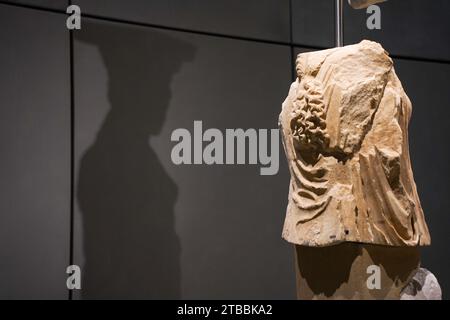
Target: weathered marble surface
345	133
423	286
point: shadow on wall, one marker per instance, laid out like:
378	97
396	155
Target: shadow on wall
126	197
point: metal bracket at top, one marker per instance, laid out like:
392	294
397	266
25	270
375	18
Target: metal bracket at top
339	23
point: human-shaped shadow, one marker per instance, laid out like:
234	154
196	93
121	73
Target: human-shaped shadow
125	195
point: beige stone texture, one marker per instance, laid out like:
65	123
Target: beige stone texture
344	126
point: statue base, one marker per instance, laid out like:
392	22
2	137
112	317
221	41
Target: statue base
354	271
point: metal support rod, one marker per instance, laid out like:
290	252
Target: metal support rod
339	23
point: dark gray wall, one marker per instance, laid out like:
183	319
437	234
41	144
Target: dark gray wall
313	23
51	4
413	28
35	154
175	231
144	227
260	19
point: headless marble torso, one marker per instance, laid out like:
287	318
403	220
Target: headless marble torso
345	132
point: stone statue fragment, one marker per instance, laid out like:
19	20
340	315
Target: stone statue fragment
345	132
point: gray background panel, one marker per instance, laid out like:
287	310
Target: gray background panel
416	28
313	23
52	4
35	155
260	19
185	231
413	28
